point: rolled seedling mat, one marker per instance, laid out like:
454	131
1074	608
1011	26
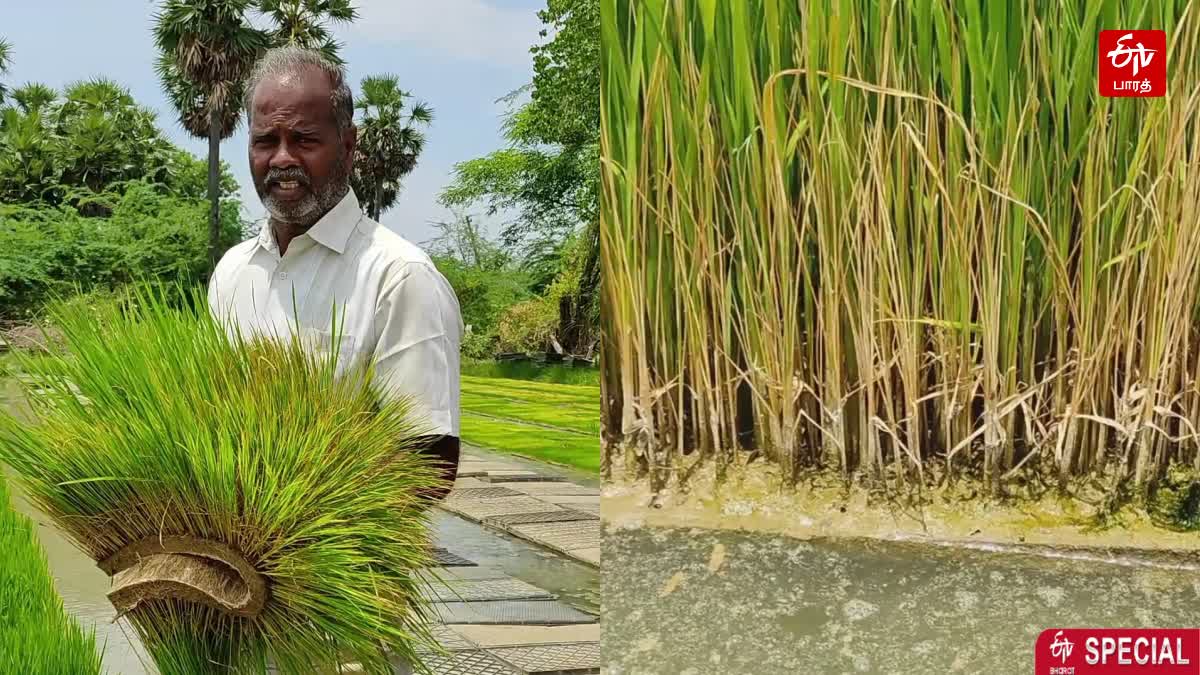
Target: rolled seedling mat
188	568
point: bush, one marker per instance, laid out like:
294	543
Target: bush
483	297
150	235
527	326
479	344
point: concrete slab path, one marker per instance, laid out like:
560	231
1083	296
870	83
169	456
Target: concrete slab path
514	497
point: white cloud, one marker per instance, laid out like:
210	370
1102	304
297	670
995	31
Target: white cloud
468	29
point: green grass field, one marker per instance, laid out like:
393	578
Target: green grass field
551	422
573	419
36	634
524	370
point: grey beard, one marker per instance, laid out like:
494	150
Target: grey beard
307	211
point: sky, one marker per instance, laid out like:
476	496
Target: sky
459	56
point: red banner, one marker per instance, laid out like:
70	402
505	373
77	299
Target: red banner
1118	651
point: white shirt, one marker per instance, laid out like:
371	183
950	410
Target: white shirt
392	303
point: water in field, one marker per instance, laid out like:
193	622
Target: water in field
691	602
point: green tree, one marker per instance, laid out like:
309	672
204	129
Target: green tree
302	23
5	64
33	97
70	147
565	110
464	240
485	278
27	168
549	175
207	48
105	137
389	141
565	106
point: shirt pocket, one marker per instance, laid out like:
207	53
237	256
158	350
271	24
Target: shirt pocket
321	344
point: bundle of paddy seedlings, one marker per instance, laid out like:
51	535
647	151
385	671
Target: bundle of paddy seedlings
256	505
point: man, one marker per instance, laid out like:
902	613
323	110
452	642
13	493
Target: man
318	251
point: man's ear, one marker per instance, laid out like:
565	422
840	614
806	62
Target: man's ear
350	141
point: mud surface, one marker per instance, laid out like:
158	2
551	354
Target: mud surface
691	602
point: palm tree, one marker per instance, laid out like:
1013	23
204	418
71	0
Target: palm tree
33	97
207	49
388	141
5	61
28	170
105	137
301	23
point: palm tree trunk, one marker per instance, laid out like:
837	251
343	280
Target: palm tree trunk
378	200
214	188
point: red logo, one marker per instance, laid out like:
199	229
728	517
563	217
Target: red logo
1132	63
1117	651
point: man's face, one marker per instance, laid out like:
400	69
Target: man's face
299	164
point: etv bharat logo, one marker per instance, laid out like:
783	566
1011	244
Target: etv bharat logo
1061	647
1132	63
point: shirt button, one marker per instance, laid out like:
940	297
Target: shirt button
283	275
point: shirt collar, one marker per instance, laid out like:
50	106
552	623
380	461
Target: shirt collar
332	231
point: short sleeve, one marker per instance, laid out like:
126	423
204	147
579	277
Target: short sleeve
213	304
418	331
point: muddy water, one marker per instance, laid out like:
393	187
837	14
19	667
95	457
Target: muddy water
689	601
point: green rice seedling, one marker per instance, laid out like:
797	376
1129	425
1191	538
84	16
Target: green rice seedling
538	442
533	372
557	418
904	241
253	505
37	636
583	394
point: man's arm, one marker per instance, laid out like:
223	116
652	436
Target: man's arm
418	331
444	449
